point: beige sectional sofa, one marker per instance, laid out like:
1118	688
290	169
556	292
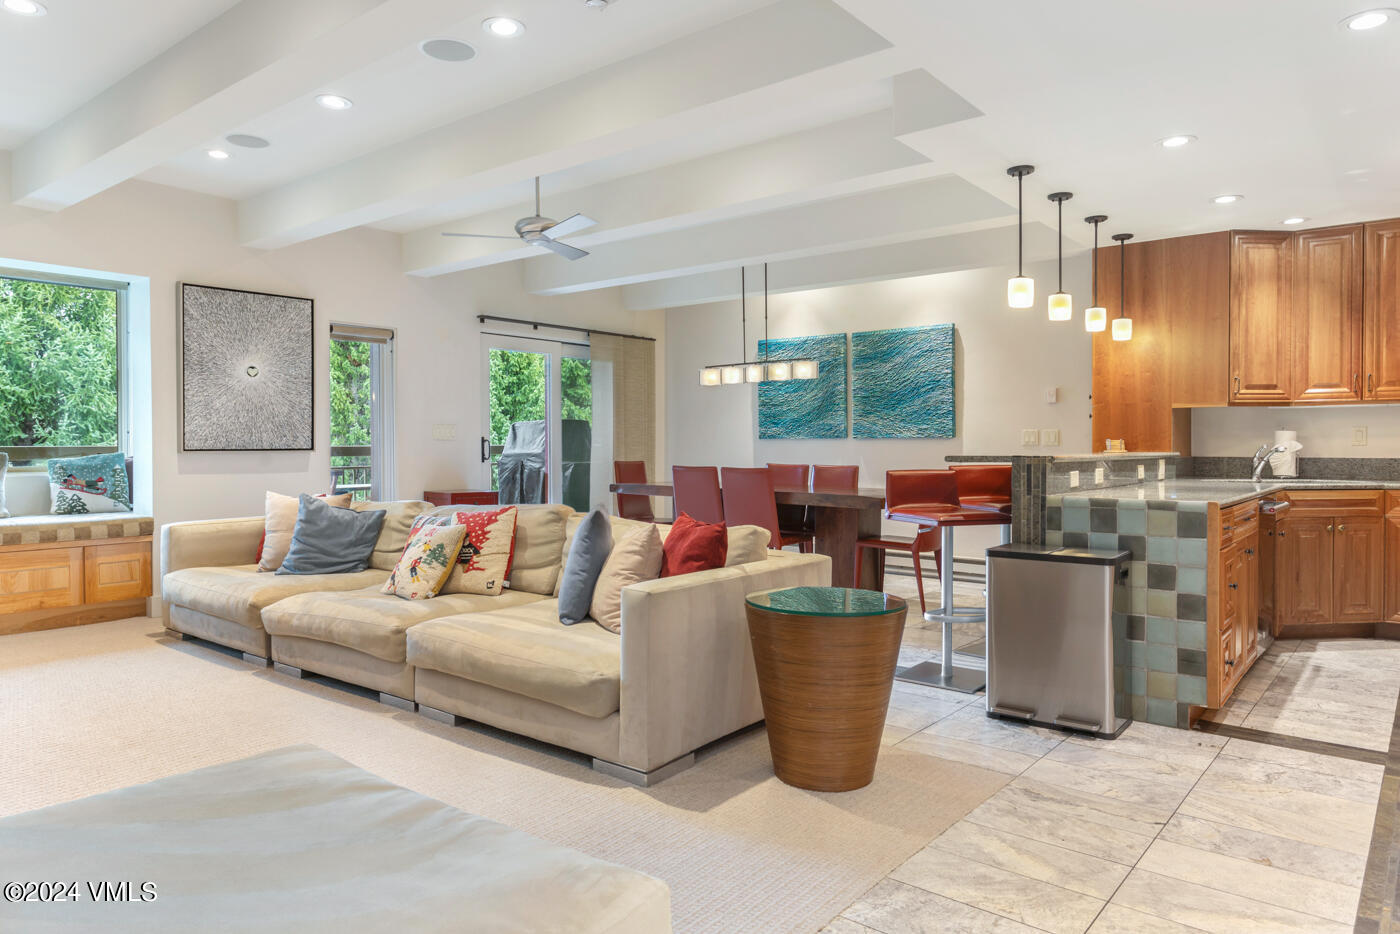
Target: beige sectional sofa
678	676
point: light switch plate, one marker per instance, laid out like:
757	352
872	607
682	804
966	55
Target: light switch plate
1074	479
444	432
1162	469
1358	436
1029	437
1052	395
1142	471
1098	475
1050	437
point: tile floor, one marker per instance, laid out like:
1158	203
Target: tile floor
1161	830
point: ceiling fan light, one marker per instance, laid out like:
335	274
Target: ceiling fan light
710	376
780	372
1122	329
733	375
1095	319
1020	291
753	372
1061	306
804	369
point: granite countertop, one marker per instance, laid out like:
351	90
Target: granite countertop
1223	492
1101	456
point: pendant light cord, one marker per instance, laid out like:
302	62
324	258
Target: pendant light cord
743	316
1060	205
765	312
1020	231
1122	275
1094	272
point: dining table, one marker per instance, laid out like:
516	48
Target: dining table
839	521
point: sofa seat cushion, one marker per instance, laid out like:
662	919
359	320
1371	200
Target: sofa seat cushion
240	593
527	651
373	622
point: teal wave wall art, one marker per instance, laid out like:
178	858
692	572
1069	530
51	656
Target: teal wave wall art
902	383
806	408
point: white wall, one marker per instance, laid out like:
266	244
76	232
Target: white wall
168	235
1005	362
1325	431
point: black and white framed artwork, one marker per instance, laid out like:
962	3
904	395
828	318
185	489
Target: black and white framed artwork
247	376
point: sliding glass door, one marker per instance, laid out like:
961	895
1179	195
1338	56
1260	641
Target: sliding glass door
362	413
539	412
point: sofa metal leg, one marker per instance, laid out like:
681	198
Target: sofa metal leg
644	779
252	659
441	716
177	634
289	670
394	700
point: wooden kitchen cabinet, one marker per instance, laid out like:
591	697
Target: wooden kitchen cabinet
1330	563
1327	314
1358	568
1261	317
1392	558
1303	572
1233	617
1381	351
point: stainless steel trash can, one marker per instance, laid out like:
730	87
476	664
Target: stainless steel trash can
1054	657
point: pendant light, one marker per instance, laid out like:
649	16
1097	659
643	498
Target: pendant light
1122	325
1020	289
1095	318
1061	304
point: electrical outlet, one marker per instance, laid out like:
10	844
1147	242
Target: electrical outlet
1162	469
1030	437
444	432
1052	395
1358	436
1098	475
1074	479
1050	437
1142	471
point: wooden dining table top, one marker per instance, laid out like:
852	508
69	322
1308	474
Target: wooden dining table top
864	498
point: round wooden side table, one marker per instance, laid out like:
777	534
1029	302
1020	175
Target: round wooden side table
826	658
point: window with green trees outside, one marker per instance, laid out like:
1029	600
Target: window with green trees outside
60	385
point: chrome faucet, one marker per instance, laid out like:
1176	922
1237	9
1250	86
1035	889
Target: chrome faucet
1261	457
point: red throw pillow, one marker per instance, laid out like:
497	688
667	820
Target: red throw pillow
694	546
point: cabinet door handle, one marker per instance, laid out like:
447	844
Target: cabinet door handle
1230	662
1329	528
1356	382
1234	586
1249	551
1370	383
1341	528
1237	385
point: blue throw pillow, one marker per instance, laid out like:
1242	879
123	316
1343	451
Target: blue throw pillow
331	539
592	545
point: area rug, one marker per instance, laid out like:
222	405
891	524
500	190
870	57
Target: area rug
93	708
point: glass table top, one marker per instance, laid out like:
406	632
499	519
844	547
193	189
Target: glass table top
826	601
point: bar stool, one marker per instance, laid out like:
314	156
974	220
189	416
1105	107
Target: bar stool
986	486
910	486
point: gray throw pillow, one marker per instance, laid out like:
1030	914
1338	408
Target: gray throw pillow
592	545
331	539
4	466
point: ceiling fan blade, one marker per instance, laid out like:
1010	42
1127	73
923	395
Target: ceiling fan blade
479	236
570	225
563	249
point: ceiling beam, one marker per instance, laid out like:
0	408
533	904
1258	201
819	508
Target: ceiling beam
977	249
891	215
743	69
837	159
258	55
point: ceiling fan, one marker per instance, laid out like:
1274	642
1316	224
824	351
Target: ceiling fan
543	231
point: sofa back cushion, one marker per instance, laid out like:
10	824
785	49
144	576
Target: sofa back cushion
331	539
539	544
393	534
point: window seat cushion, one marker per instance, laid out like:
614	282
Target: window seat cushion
64	530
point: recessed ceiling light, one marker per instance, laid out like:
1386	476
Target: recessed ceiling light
1227	199
447	50
596	4
1295	221
247	141
1369	19
217	154
334	102
1173	142
26	7
503	26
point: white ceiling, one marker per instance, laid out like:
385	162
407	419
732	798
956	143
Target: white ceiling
836	138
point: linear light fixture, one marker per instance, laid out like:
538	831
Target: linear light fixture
1095	318
756	371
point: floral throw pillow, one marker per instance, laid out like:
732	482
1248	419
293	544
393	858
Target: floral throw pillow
426	562
97	483
487	551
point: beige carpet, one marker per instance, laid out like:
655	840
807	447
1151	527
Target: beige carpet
93	708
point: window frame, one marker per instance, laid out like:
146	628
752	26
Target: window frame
34	458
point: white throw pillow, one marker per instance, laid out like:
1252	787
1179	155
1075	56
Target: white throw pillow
634	559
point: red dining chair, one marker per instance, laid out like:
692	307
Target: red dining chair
632	505
748	500
835	479
794	521
901	488
695	492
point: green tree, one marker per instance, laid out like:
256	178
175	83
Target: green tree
517	390
576	383
58	365
351	393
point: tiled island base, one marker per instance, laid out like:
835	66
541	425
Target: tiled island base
1162	611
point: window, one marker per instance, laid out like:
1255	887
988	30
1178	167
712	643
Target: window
362	413
61	389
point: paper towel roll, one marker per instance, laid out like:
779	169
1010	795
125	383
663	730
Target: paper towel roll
1285	464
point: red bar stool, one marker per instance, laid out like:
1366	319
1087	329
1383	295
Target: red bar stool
695	492
910	486
631	505
748	500
986	486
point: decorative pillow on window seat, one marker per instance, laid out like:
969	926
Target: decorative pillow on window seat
694	546
97	483
488	549
280	520
427	561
